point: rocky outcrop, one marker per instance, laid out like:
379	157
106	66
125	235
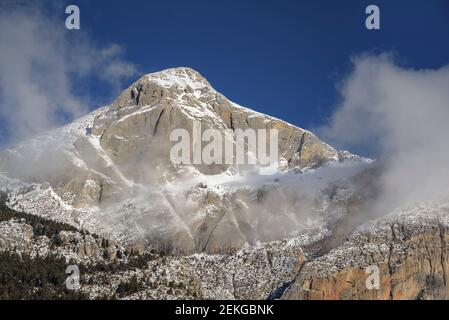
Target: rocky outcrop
99	157
109	173
111	168
409	250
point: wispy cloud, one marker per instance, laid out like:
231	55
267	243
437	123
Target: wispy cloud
41	63
403	114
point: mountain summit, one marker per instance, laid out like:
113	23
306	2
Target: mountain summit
110	171
301	232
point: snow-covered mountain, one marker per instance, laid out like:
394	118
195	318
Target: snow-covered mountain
110	172
305	231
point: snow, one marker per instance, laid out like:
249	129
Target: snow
312	179
95	142
143	110
124	216
181	77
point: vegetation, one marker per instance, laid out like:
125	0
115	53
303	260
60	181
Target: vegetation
22	277
41	226
135	261
129	287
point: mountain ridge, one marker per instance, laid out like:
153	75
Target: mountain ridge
111	170
303	232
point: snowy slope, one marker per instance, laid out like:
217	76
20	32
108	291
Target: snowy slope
104	172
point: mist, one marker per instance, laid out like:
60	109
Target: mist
401	115
43	68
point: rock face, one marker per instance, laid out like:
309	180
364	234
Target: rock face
409	249
300	233
105	153
158	103
111	169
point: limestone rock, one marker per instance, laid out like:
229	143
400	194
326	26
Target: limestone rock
409	249
99	166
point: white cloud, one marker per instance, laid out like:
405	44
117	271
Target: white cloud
40	64
404	115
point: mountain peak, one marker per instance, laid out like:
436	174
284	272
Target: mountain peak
115	171
170	83
180	77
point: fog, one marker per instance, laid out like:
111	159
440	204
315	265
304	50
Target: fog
43	69
402	115
398	113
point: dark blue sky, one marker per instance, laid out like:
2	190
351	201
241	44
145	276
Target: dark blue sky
283	58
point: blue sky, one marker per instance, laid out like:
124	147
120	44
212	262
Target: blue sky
283	58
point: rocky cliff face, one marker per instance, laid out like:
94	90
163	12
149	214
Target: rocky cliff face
103	155
409	248
112	172
158	103
299	233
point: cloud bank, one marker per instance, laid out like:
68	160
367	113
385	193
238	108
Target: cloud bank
402	114
42	65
